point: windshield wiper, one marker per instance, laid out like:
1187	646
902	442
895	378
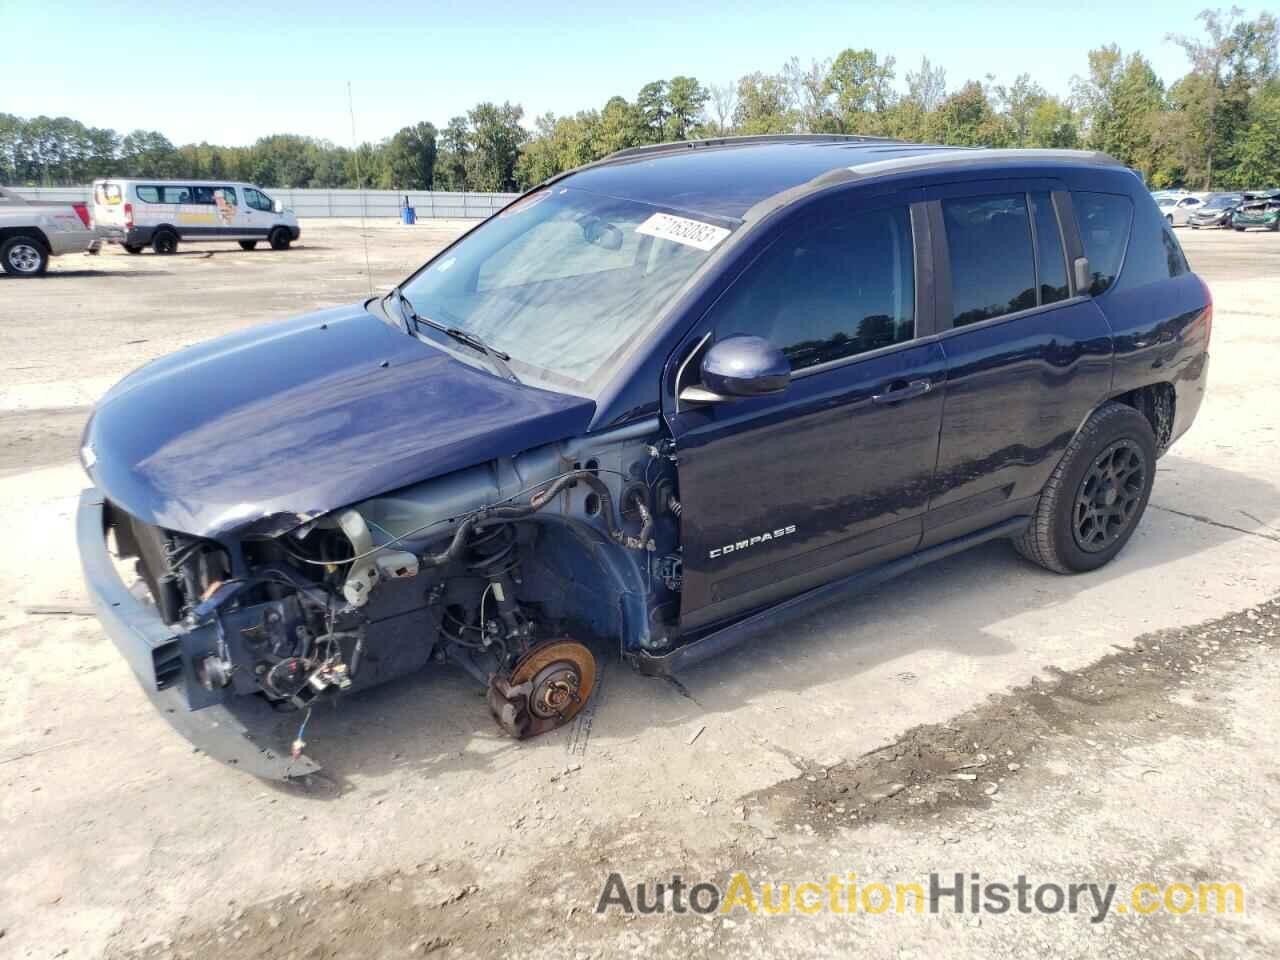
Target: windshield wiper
407	313
413	319
498	358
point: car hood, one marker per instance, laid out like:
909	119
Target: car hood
267	428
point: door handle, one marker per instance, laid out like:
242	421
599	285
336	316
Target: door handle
901	390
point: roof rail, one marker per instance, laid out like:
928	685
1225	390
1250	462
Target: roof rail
675	146
943	156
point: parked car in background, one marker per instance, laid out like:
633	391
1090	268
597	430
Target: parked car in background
659	402
32	231
1176	210
1216	211
1258	210
159	213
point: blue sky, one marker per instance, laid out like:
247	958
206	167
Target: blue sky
233	71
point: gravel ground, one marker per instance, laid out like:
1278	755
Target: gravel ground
979	716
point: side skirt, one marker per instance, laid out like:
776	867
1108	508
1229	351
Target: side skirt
718	641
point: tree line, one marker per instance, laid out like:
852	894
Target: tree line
1218	126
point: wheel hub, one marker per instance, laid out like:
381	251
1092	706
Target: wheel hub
24	258
1109	496
545	690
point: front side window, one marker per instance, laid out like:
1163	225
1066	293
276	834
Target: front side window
1104	229
565	281
829	292
257	200
993	269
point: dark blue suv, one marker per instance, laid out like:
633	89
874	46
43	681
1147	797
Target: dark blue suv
659	401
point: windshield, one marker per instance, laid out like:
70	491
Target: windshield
564	281
1166	201
1219	202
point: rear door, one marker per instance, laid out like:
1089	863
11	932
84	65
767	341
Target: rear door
1028	355
108	206
786	492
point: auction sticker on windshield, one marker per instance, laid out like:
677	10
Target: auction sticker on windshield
692	233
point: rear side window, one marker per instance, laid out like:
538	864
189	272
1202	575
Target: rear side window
1051	259
829	292
993	270
1174	258
1104	230
148	193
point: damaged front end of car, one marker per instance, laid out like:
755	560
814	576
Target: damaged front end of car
508	570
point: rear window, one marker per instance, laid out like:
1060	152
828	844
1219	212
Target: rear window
1104	229
993	269
1051	258
107	194
154	193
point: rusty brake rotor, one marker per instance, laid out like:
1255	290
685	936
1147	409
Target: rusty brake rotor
547	688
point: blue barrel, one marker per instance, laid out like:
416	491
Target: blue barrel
409	215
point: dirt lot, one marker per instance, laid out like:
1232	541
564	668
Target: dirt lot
980	716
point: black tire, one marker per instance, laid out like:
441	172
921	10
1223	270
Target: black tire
134	248
248	244
1239	229
1169	218
280	239
1096	495
165	242
24	256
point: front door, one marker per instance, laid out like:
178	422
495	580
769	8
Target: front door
786	492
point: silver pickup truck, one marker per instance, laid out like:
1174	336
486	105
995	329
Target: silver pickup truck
31	232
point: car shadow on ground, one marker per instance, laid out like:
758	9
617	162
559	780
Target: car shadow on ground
436	722
54	274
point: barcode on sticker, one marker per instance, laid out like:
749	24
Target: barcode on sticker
692	233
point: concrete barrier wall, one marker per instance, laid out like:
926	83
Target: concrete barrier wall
337	203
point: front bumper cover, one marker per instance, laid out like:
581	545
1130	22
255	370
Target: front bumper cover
243	732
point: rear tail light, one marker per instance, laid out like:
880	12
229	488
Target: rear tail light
1207	316
82	211
128	216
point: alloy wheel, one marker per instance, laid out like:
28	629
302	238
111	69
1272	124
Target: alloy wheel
1109	496
24	258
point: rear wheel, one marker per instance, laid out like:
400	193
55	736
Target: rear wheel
1169	218
134	248
1240	229
165	242
1096	495
248	244
280	239
24	257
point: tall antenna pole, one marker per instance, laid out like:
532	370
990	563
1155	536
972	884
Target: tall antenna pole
355	156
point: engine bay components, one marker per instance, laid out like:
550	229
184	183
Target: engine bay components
507	588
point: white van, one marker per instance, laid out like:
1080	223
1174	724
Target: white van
159	213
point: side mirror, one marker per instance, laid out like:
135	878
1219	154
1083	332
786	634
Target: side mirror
740	367
277	206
